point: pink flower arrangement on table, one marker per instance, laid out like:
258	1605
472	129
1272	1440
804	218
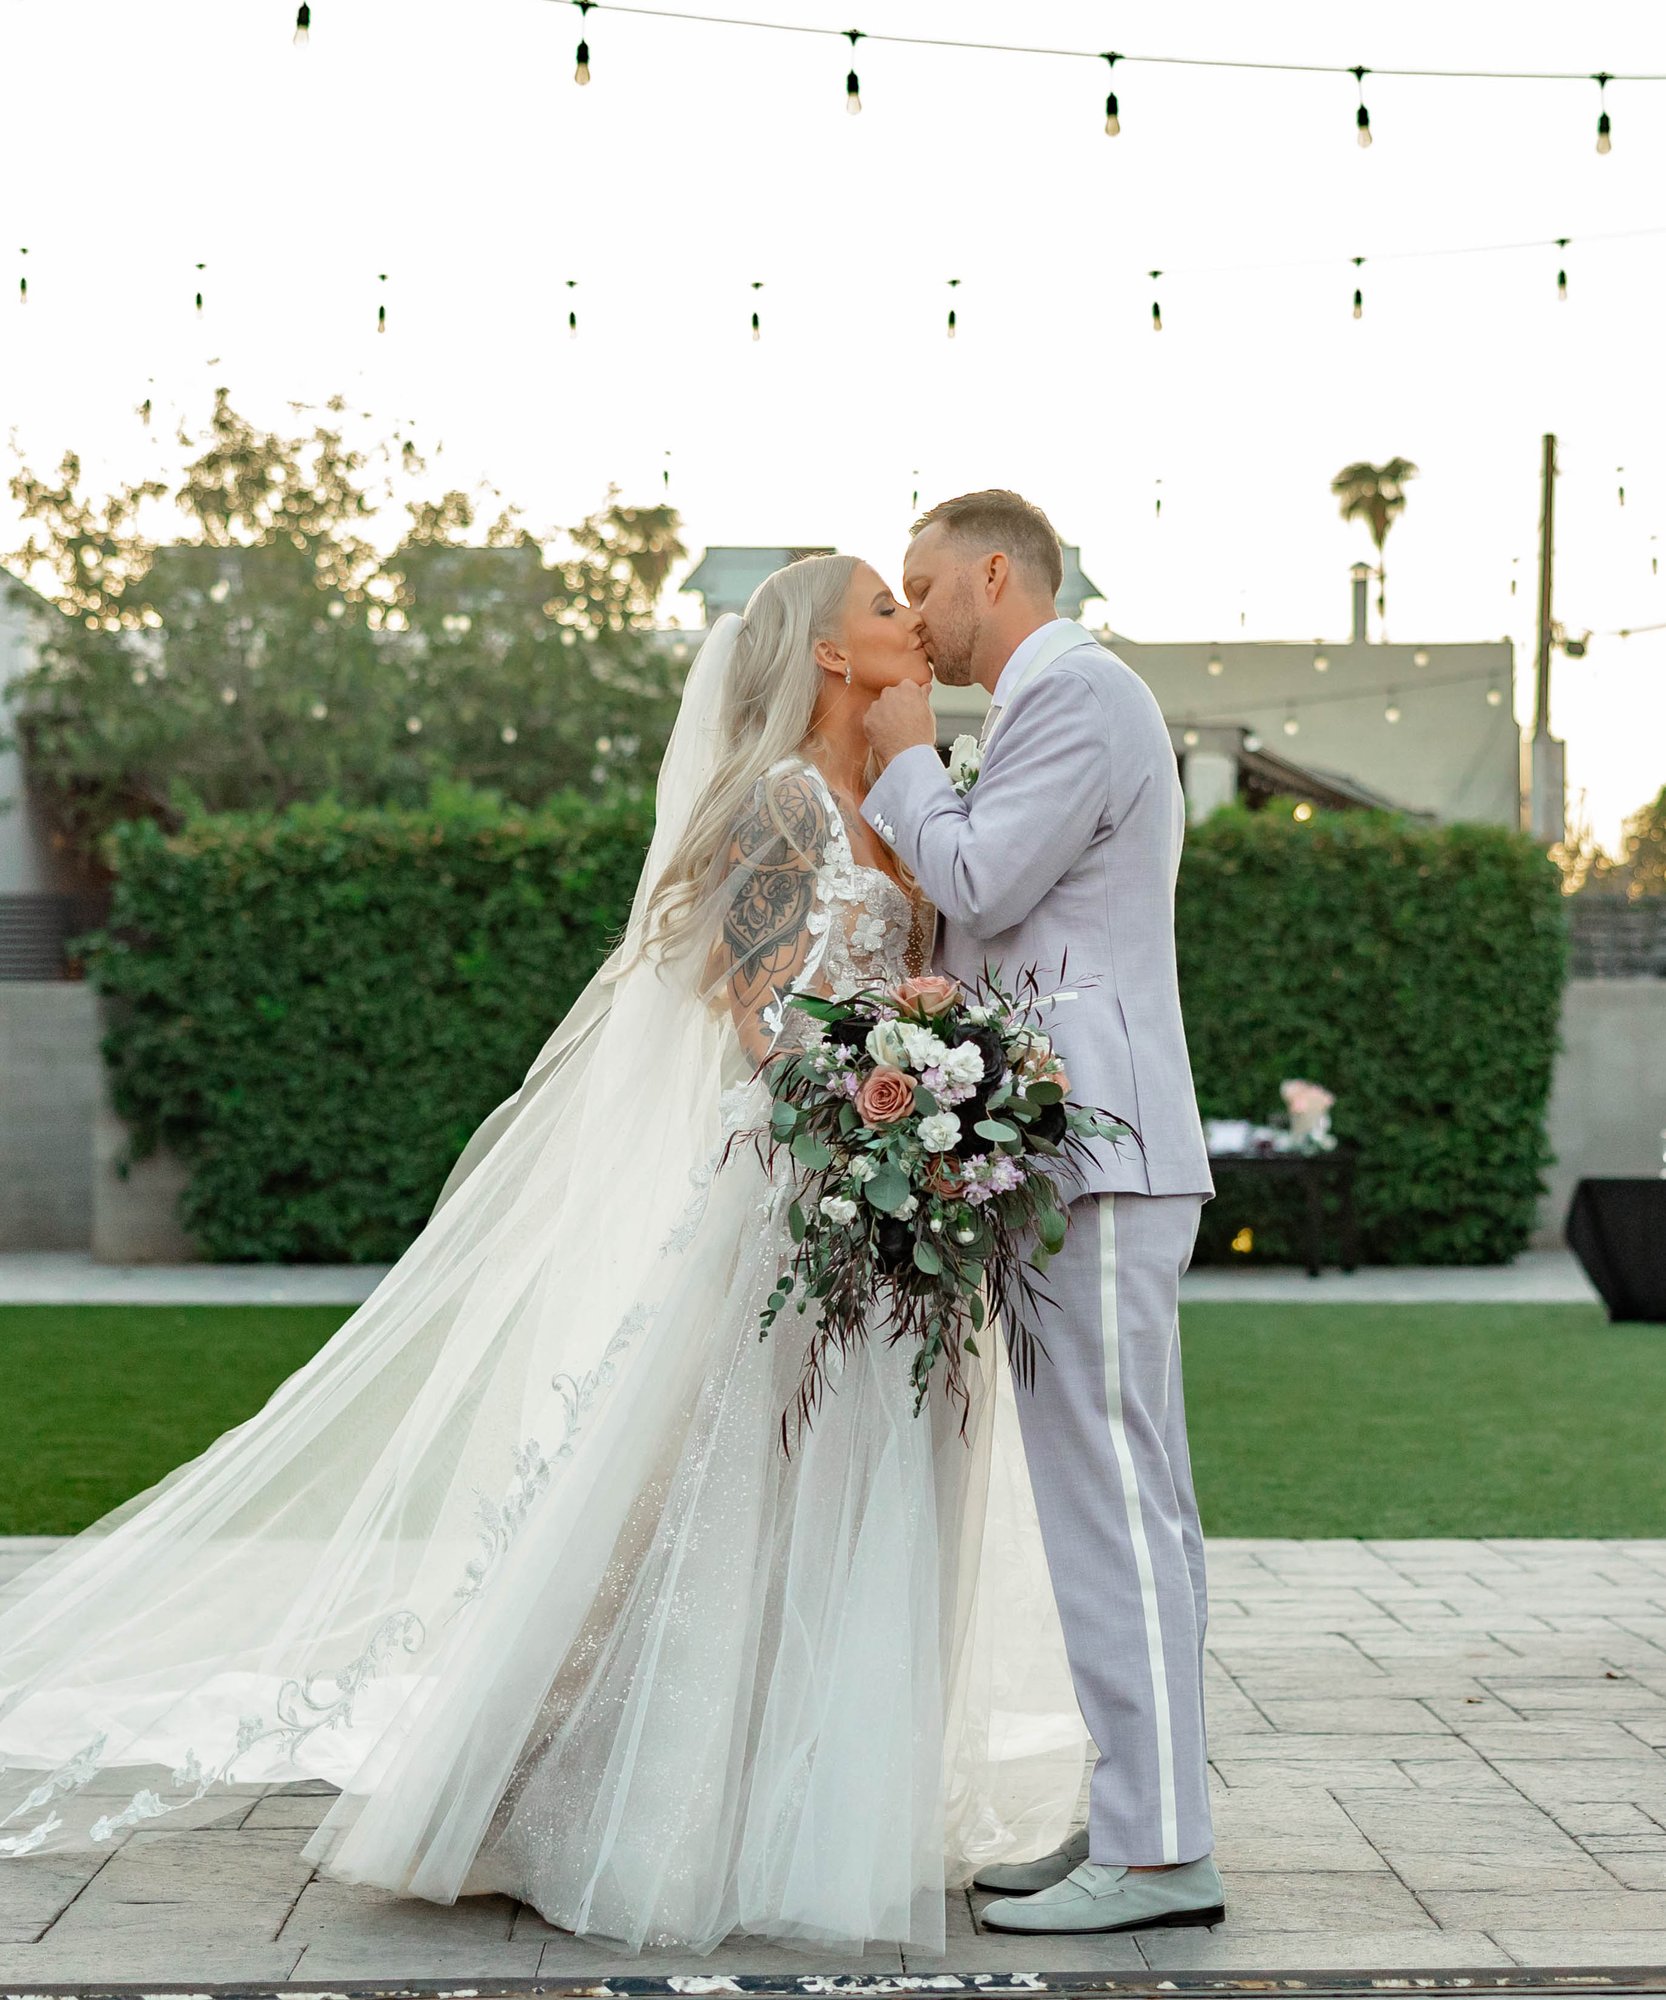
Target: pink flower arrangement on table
1309	1106
925	1123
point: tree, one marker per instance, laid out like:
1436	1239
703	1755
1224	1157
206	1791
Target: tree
1376	495
1641	867
268	653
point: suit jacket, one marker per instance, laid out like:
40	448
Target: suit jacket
1064	854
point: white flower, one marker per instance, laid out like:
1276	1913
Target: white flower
980	1016
885	1044
963	1064
838	1208
867	934
921	1048
907	1208
863	1169
965	761
940	1131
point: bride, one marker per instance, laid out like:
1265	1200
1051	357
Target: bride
518	1561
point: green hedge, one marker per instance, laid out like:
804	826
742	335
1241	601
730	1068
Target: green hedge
314	1009
1417	973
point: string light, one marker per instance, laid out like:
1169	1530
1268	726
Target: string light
1190	739
1362	119
853	84
1159	494
508	733
1359	296
1605	140
1392	712
1217	666
1291	725
757	331
200	267
1321	663
1620	474
1561	270
23	280
303	24
1113	117
1495	695
1156	308
572	311
381	306
953	282
581	72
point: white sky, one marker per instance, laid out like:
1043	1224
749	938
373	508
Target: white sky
448	146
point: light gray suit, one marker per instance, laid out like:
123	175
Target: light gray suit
1063	857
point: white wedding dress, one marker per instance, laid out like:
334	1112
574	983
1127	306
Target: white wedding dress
519	1563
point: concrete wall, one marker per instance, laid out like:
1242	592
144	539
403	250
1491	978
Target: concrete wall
49	1084
1608	1102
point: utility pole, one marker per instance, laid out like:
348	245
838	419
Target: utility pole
1549	776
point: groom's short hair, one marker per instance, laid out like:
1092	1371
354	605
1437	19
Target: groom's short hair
1005	521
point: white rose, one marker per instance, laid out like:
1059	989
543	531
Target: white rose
980	1016
862	1169
963	1064
886	1045
965	758
939	1132
838	1208
907	1208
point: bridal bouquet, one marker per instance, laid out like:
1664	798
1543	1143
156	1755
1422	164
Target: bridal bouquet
925	1124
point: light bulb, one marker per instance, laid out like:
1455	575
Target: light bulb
1495	697
582	73
1252	743
1392	712
1364	123
1321	665
1561	284
1605	141
951	322
757	331
508	732
1156	317
414	724
1420	658
1113	123
1217	666
853	94
303	21
1190	739
1291	725
228	696
1359	305
1303	812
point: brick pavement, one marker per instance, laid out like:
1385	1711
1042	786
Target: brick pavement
1427	1755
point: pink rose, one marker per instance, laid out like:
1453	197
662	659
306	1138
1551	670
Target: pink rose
885	1096
932	995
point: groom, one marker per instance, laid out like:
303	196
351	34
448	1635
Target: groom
1065	848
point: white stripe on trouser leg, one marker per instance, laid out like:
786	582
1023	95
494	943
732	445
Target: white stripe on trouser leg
1136	1525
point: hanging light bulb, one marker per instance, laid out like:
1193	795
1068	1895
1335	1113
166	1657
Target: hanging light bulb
1561	274
757	330
1391	712
23	282
572	313
1420	658
1321	663
303	23
1605	140
1156	309
1217	666
1190	739
1113	117
581	71
1252	742
1362	118
1620	474
1159	492
200	267
1291	725
1514	560
953	282
1359	296
1495	695
853	84
381	308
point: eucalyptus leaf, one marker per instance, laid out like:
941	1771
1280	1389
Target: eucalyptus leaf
996	1130
796	1222
926	1259
812	1152
888	1189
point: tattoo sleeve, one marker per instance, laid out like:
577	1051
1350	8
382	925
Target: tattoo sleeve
766	938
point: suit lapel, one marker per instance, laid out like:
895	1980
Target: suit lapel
1065	638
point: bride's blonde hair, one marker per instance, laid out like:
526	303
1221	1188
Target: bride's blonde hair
768	702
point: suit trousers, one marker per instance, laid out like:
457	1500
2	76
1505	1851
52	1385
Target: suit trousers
1105	1440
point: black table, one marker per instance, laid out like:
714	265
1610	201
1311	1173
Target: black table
1316	1172
1617	1230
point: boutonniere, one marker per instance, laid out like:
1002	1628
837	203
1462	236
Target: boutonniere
965	761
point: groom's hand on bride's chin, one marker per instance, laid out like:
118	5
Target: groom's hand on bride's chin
899	718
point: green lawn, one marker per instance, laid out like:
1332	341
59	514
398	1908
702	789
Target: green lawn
1305	1419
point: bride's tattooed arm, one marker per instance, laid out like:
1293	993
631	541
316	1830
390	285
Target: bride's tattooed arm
766	934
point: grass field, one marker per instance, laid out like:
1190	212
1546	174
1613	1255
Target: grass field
1305	1419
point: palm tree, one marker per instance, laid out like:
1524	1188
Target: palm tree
1376	495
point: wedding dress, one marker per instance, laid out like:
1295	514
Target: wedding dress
519	1561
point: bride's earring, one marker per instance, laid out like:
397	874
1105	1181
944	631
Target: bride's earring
847	673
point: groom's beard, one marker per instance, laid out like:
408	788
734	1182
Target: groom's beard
953	641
